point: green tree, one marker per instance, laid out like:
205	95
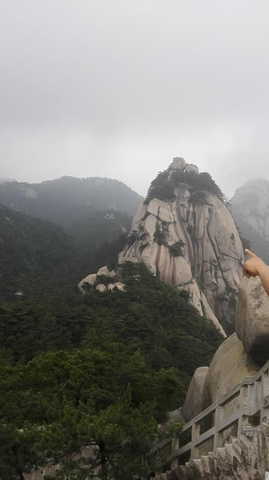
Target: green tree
60	403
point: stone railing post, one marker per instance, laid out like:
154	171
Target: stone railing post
174	448
246	400
217	435
265	397
195	432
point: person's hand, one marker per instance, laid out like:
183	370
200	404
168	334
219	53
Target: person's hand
253	266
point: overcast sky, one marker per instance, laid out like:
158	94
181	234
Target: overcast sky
117	88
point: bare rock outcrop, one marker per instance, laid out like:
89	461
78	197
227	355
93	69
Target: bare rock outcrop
252	319
178	163
190	239
229	366
191	168
96	280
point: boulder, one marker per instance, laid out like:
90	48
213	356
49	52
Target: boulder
90	280
178	163
103	271
191	168
101	287
175	416
193	402
119	285
228	368
252	319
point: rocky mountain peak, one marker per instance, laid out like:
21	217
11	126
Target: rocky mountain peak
179	163
184	233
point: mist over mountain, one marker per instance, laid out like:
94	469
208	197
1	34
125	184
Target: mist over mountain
250	209
5	180
68	199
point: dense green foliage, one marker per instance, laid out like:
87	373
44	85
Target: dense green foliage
101	395
164	185
31	251
150	316
97	227
96	370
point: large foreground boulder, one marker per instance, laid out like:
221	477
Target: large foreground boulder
229	366
252	319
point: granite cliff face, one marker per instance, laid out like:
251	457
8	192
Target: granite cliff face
250	209
184	232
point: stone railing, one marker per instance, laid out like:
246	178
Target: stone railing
232	416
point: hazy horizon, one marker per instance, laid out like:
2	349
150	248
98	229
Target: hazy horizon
142	193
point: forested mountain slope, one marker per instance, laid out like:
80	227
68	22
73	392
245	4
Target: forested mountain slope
31	250
67	200
39	259
100	369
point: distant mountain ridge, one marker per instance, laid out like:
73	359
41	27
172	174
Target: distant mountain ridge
68	199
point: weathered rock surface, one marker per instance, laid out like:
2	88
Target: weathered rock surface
252	319
92	281
89	280
119	285
175	416
191	168
178	163
193	243
229	366
101	287
193	402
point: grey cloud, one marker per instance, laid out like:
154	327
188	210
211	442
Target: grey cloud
107	88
